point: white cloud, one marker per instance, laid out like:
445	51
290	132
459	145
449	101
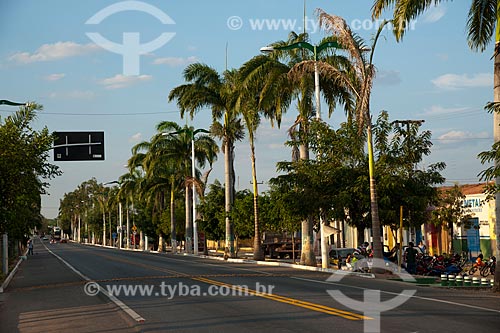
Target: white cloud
455	81
137	137
388	78
54	77
56	51
122	81
278	146
453	136
434	14
175	61
437	110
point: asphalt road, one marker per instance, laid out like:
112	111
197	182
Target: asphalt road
144	292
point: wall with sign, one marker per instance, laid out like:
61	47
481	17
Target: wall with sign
475	237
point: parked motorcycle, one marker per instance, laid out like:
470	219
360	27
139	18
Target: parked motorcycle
489	267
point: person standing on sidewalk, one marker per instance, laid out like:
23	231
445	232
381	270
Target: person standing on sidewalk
30	247
411	258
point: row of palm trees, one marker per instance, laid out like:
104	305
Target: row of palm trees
266	86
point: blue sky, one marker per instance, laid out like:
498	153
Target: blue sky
47	57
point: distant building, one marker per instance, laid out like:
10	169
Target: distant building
477	236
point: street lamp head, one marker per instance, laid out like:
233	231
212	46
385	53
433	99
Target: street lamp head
267	49
7	102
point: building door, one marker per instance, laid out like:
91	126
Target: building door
473	237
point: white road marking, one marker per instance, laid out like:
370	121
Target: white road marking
393	293
134	315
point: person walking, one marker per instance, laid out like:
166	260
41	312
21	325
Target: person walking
422	247
30	247
411	258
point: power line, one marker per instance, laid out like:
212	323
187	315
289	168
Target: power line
97	114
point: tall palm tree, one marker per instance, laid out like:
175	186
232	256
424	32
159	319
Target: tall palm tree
247	105
129	190
233	129
207	88
161	176
280	78
358	78
178	148
168	161
482	24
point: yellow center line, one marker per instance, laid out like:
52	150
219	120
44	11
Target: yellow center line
287	300
278	298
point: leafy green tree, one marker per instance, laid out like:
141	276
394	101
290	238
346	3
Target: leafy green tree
399	149
482	24
24	171
243	214
342	166
212	212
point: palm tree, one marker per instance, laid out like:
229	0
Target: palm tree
207	88
160	177
481	23
247	105
285	79
234	129
178	148
358	78
167	166
129	190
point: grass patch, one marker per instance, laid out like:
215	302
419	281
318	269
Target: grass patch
419	280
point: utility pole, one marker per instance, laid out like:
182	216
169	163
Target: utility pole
408	123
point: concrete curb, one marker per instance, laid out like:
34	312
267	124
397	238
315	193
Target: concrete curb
13	272
285	264
251	261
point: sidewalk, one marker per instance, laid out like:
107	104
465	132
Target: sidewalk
46	296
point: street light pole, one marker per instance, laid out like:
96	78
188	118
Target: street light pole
128	226
6	102
316	50
120	230
120	233
193	174
79	227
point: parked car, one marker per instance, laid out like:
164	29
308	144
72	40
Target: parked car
341	253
